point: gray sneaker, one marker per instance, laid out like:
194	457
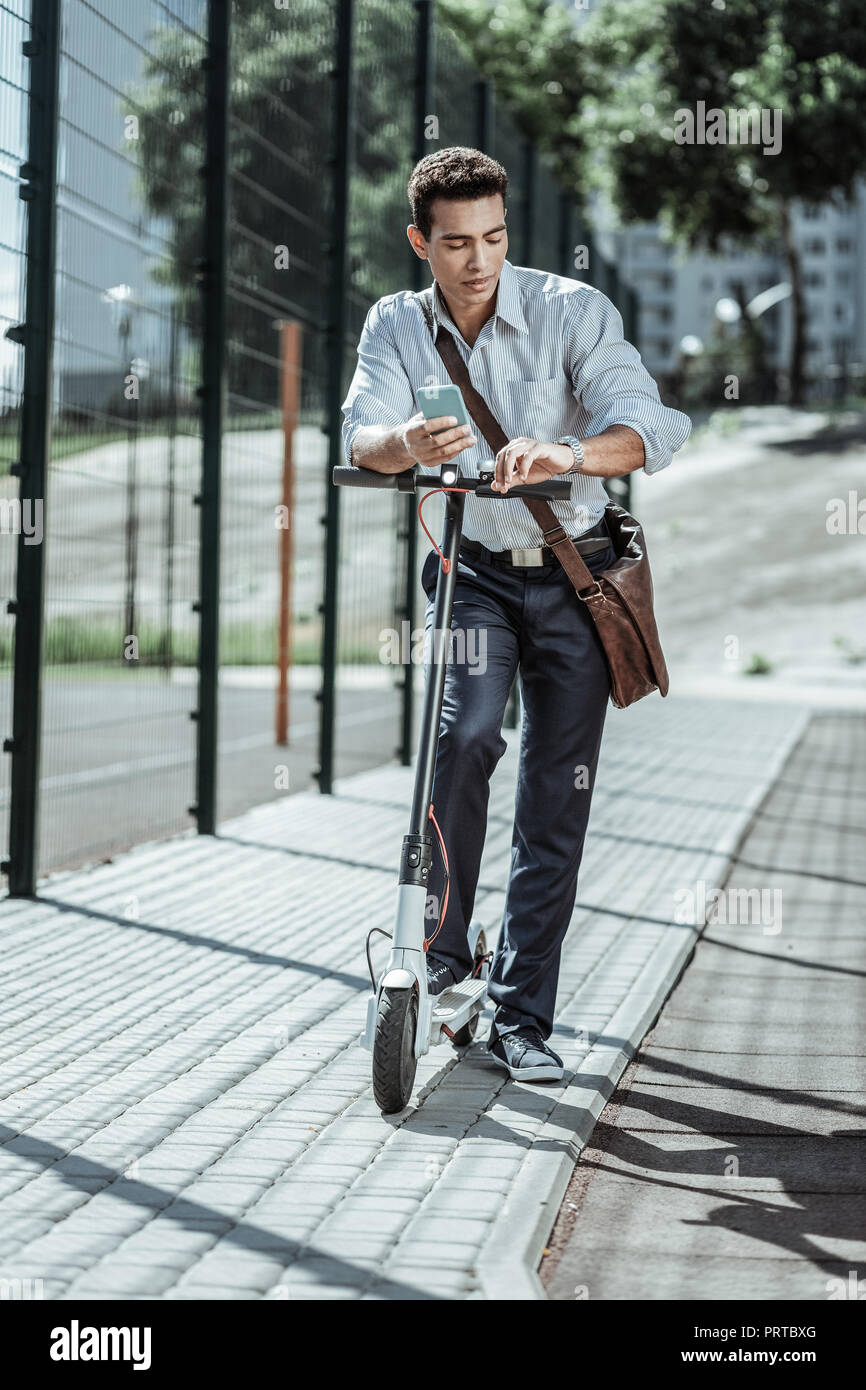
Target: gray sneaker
526	1056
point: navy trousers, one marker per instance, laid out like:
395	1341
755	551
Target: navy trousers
506	619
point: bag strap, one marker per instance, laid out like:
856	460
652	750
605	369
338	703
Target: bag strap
496	437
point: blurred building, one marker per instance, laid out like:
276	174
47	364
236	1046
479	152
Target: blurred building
678	291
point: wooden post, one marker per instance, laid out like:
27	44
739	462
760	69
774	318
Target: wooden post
290	400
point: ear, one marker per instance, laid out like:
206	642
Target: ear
417	241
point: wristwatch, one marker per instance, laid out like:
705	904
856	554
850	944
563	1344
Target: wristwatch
576	448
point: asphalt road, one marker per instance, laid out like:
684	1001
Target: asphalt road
730	1162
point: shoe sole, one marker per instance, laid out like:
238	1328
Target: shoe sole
544	1073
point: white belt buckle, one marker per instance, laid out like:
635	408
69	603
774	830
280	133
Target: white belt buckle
531	555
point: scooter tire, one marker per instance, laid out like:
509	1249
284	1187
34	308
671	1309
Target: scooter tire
464	1036
394	1060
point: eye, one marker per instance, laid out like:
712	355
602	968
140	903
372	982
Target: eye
494	241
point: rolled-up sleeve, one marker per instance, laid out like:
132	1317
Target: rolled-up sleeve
614	387
380	392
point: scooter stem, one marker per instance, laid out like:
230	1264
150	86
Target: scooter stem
434	686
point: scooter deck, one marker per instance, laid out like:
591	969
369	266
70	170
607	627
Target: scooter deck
454	1005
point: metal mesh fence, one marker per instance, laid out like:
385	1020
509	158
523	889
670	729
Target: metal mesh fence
280	115
14	31
121	548
457	87
371	523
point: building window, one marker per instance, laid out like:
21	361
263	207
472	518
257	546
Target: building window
815	246
843	277
843	245
813	279
812	213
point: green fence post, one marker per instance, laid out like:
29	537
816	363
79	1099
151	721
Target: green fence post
485	116
212	271
527	247
336	337
530	185
38	190
632	307
566	238
424	80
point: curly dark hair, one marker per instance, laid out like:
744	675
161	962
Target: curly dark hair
455	172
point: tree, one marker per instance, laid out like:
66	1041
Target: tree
631	68
281	108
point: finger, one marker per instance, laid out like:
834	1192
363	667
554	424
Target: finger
446	436
462	432
501	466
422	429
510	456
441	422
447	451
523	468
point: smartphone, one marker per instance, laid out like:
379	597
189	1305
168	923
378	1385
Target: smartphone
442	400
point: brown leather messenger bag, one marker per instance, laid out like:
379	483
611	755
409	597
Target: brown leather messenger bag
619	599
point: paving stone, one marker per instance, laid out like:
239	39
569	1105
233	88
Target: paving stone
209	1121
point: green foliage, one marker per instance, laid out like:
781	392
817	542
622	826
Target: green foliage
531	52
758	665
851	654
619	79
655	57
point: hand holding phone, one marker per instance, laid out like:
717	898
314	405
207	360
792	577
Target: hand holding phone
441	430
436	401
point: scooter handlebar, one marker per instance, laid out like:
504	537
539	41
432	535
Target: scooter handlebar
411	479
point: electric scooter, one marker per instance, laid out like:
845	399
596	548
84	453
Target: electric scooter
403	1020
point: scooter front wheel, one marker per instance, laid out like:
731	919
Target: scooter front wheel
394	1060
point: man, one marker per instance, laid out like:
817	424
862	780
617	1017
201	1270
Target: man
548	355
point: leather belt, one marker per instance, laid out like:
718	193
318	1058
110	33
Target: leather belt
598	538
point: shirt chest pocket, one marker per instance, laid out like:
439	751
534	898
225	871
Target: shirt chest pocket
538	409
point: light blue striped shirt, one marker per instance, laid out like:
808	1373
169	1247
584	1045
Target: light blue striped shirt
551	361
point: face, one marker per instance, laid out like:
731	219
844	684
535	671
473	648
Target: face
466	248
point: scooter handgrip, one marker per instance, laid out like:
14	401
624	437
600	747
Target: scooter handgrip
551	489
344	476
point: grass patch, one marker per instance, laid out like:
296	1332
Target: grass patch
758	665
75	641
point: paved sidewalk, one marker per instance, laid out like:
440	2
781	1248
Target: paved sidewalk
185	1110
731	1163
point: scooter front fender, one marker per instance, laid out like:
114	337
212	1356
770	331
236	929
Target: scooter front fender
397	979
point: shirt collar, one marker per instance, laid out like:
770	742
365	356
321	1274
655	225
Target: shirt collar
508	305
